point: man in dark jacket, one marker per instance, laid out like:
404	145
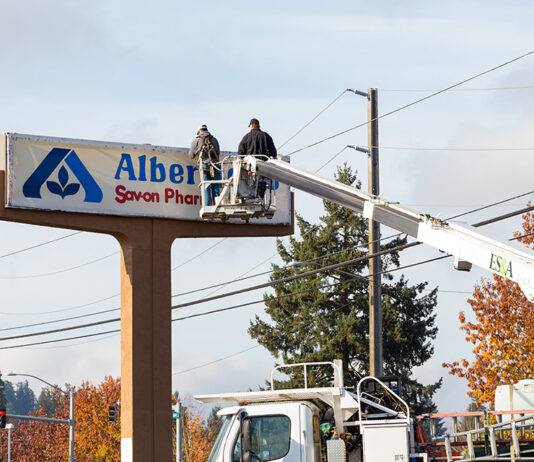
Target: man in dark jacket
257	141
206	146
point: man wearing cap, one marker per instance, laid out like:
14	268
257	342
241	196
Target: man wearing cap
258	142
206	147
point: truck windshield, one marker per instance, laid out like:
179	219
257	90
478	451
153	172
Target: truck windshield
218	442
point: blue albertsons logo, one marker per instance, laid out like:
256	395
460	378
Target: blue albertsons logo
63	188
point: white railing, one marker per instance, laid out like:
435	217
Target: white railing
513	427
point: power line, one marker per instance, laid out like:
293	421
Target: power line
59	320
60	339
39	245
417	101
62	329
521	237
321	269
324	286
216	360
199	254
76	307
29	276
410	148
521	87
493	204
299	263
105	298
222	309
107	321
77	344
294	277
312	120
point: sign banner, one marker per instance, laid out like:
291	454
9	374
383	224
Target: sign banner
109	178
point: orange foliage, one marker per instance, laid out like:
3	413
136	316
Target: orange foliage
96	438
503	334
196	443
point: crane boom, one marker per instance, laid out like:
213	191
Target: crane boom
464	242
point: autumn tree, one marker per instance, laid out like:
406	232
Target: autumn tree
502	334
325	316
96	439
196	444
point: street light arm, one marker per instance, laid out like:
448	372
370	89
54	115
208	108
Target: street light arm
11	374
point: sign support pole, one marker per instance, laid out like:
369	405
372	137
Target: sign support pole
146	423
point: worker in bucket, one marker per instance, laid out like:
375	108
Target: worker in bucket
206	147
257	142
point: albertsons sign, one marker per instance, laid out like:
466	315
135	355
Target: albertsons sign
107	178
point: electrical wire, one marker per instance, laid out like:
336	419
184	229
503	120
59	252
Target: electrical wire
62	329
205	313
39	245
76	307
330	160
30	276
321	269
521	237
521	87
299	263
59	320
61	339
77	343
199	254
297	276
413	103
216	360
312	120
407	148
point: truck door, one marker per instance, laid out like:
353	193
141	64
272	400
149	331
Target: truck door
275	438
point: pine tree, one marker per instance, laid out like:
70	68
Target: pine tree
24	399
47	401
330	319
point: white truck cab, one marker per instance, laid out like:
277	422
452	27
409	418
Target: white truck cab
279	431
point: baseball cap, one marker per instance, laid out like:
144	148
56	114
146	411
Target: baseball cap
202	128
254	122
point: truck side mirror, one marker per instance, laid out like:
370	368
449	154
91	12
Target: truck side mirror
246	436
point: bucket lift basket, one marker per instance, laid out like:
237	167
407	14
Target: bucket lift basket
243	193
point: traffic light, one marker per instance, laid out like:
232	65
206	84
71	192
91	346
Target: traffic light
112	413
3	418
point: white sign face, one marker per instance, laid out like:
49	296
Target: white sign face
110	178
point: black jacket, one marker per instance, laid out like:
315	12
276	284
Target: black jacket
257	142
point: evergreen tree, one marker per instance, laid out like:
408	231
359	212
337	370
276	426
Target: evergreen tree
3	401
48	401
331	319
25	398
9	393
20	398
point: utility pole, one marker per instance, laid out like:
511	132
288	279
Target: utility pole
375	263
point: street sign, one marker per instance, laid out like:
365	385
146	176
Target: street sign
175	415
75	175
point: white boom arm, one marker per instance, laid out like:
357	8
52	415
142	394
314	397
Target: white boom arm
461	241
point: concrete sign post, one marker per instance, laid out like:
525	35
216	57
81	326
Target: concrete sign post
57	166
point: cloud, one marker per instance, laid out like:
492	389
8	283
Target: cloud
37	30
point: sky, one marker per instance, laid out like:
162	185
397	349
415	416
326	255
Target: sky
151	72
